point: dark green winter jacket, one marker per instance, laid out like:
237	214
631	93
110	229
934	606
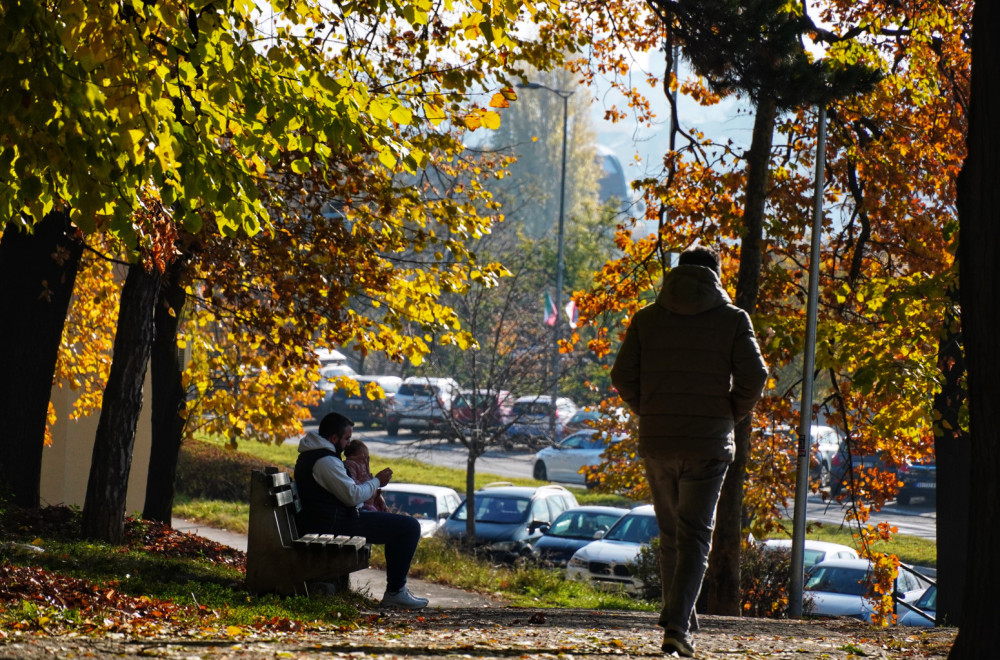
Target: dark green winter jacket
690	368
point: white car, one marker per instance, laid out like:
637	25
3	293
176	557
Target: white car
563	462
814	551
430	505
422	404
606	563
837	587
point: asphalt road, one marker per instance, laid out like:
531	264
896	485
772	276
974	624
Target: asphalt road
917	519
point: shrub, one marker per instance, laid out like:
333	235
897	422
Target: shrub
211	472
764	579
646	568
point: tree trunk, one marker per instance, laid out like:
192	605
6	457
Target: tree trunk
37	272
723	577
952	453
168	398
104	506
470	495
979	257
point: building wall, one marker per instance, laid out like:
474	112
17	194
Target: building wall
66	463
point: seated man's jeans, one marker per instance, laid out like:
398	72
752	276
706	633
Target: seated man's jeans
398	533
685	494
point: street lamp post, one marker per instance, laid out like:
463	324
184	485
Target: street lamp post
564	95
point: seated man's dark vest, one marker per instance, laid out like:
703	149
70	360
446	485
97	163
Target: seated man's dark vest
322	512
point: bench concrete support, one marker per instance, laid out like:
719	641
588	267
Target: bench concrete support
281	561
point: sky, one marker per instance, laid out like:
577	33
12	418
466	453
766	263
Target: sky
729	119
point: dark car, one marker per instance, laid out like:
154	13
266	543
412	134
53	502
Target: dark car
847	463
919	479
362	409
509	519
483	408
572	530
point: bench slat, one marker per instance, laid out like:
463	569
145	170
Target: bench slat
283	498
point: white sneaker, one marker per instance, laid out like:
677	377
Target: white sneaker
403	600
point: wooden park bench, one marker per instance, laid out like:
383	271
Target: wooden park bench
281	561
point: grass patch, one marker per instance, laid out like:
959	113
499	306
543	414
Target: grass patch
405	470
523	584
221	514
55	581
910	549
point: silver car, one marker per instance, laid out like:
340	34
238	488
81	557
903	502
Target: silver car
563	462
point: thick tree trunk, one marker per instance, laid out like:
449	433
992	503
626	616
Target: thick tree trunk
104	506
168	398
979	258
723	579
37	274
952	453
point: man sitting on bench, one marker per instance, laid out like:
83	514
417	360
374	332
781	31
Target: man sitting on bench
331	500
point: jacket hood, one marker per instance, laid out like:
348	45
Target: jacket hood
312	440
689	289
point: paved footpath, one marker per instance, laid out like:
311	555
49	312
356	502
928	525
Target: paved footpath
464	625
370	580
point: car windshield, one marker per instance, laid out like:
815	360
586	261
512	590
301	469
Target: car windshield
532	408
411	389
810	557
582	524
837	579
929	600
493	509
634	529
417	505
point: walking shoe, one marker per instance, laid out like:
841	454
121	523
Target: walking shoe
677	643
403	600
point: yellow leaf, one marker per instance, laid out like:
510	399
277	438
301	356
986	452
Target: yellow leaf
491	120
499	100
233	631
401	115
472	122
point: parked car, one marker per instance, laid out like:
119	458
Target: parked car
330	358
814	552
483	408
422	404
328	385
563	461
606	563
847	461
573	529
510	519
431	505
586	418
837	587
923	612
918	479
532	420
824	445
361	409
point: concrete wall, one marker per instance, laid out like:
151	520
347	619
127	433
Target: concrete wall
66	463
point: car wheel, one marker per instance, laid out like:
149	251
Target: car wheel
903	499
392	428
540	472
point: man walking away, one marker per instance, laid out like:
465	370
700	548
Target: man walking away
690	368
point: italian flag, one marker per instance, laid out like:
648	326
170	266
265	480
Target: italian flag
549	313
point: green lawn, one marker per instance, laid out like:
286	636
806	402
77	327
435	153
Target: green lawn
233	515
